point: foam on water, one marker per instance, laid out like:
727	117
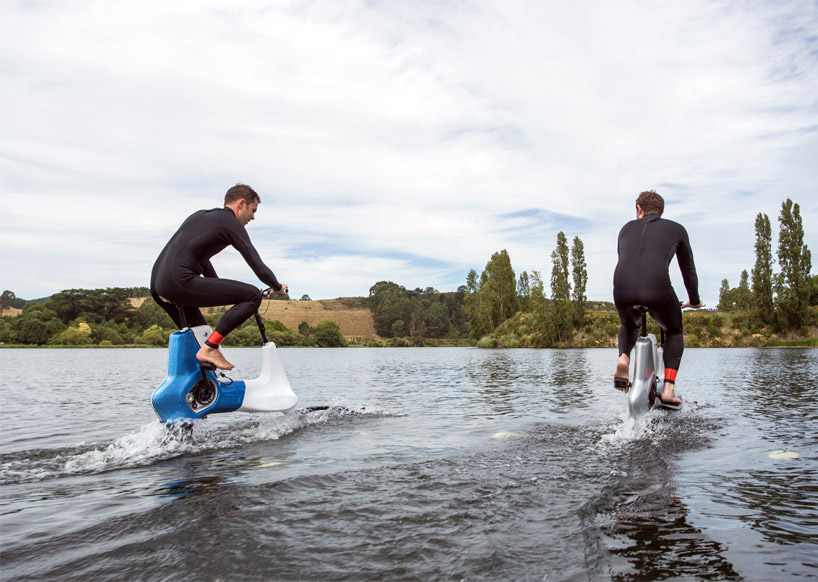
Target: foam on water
153	442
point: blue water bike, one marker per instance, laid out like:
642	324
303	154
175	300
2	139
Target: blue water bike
194	389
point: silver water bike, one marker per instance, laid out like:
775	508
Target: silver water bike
648	367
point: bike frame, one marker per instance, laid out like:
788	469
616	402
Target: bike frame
648	371
194	389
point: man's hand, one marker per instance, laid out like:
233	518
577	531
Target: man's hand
687	304
281	292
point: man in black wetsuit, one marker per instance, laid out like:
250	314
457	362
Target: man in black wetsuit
183	275
646	246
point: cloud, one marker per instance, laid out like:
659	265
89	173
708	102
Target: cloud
398	141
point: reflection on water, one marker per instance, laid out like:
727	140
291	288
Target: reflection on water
651	534
183	488
646	526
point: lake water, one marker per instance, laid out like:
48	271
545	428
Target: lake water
434	464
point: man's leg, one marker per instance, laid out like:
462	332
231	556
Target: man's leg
669	316
626	339
193	316
210	292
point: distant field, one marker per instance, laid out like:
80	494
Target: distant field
352	317
354	321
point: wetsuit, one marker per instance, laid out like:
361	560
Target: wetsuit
646	247
183	274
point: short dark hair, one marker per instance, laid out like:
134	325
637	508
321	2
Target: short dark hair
241	192
651	202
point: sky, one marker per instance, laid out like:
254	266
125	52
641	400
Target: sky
402	141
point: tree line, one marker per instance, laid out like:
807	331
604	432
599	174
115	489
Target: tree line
398	312
779	299
497	295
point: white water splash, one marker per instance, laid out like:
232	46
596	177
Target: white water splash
153	442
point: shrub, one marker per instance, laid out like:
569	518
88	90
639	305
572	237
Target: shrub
79	335
153	336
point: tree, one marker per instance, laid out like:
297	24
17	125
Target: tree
501	288
538	308
561	289
93	304
793	282
389	302
398	328
478	325
149	313
742	296
33	331
105	333
153	336
75	335
524	292
327	334
493	298
6	299
579	271
762	273
725	297
437	320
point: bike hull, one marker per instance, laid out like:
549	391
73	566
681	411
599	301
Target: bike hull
648	377
184	395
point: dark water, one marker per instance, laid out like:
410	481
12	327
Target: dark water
435	464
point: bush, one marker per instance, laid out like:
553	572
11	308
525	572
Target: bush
154	336
107	334
247	336
79	335
33	331
327	334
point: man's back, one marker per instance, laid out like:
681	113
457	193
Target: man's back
645	247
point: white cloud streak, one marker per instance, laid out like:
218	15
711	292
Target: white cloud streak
398	141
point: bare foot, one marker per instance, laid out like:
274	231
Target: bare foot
213	356
669	395
622	366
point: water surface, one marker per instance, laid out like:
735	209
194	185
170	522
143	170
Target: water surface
434	463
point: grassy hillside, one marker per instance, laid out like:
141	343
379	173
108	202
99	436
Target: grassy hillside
349	314
702	329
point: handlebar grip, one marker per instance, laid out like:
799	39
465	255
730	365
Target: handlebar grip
266	292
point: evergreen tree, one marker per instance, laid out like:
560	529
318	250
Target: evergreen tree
478	326
742	296
524	292
725	297
579	271
762	273
793	282
493	298
539	307
501	287
561	289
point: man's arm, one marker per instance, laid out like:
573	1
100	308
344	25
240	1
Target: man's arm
684	254
241	242
209	270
